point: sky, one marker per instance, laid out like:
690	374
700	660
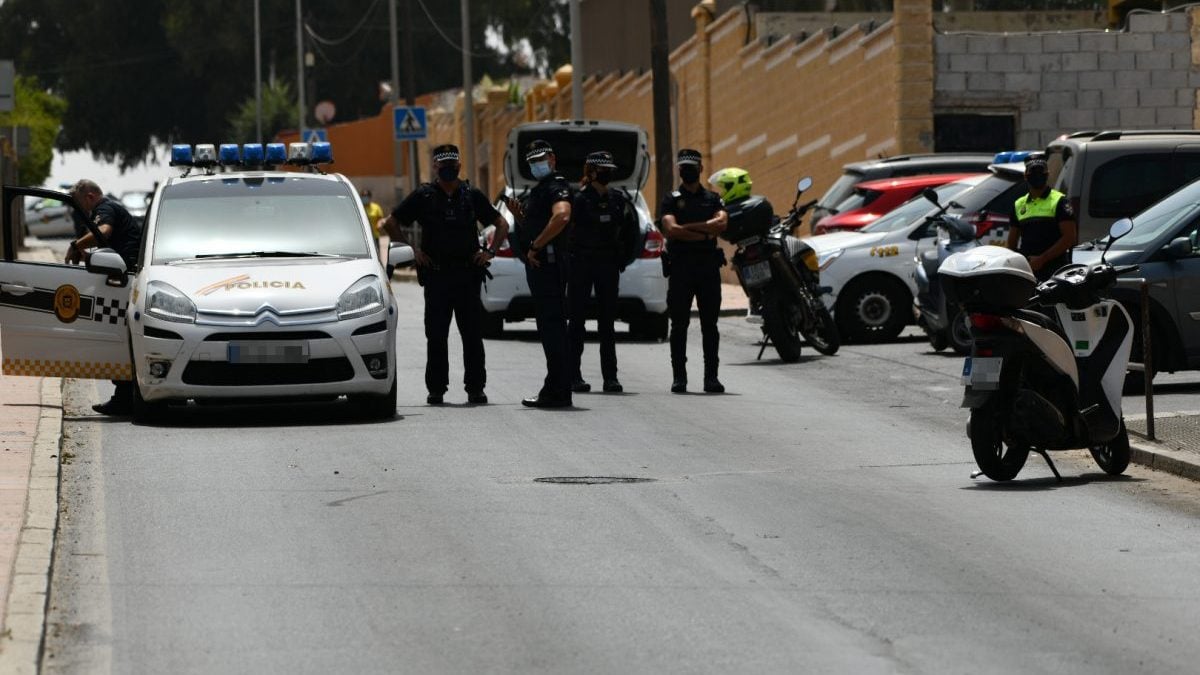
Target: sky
68	167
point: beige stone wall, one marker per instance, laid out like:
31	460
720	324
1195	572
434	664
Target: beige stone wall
780	110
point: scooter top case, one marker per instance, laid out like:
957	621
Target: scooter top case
988	277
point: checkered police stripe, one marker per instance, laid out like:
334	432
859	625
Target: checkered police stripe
109	310
78	369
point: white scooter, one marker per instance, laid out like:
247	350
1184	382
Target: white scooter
1042	381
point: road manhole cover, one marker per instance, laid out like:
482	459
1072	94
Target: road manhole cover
592	480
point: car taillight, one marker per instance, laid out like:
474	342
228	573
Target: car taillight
654	245
986	322
505	251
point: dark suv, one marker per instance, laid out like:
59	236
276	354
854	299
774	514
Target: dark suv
900	165
1115	174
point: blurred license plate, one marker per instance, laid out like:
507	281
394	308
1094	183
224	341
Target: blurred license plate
268	352
982	373
757	274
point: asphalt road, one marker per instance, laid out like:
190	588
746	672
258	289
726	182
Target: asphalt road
819	517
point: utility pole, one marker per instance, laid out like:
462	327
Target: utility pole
300	70
394	97
576	62
468	92
660	70
410	94
258	135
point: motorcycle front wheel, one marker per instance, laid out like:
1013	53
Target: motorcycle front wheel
1113	457
822	332
777	324
996	459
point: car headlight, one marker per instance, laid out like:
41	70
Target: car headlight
364	297
164	301
826	259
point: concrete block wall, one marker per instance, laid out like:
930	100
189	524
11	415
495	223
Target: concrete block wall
1059	83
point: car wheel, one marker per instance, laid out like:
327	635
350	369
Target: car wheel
377	407
650	327
872	310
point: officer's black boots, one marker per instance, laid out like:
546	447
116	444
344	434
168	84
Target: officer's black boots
613	386
121	403
477	397
433	399
679	384
580	386
711	384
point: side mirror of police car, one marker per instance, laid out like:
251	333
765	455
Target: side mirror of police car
400	255
108	262
1180	247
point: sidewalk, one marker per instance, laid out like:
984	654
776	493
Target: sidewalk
1176	448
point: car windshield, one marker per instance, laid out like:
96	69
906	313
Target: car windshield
840	190
136	200
908	212
1149	225
229	216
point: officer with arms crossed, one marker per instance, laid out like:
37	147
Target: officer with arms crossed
602	238
1042	225
121	232
451	267
542	219
692	217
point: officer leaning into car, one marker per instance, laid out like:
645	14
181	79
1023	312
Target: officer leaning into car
542	219
692	218
121	232
450	267
1042	225
602	237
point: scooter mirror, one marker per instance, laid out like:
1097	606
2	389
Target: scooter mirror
804	184
1120	228
931	195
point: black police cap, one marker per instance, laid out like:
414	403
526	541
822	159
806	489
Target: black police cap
687	156
537	150
602	159
444	153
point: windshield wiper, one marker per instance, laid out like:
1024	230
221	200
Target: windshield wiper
268	254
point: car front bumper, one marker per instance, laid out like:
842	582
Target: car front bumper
355	356
643	290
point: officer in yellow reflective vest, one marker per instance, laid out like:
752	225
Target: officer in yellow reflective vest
1042	225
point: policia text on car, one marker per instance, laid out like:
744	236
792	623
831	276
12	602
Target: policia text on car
451	268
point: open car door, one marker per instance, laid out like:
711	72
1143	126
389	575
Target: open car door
59	320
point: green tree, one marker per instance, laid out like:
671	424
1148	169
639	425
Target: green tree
41	112
278	113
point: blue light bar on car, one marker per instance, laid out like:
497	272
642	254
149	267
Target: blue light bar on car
181	155
252	154
322	153
276	153
1011	156
205	155
229	153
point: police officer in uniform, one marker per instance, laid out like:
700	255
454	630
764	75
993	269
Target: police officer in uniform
692	218
451	267
120	231
1042	225
542	219
601	241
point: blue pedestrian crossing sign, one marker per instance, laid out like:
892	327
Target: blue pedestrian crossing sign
409	123
315	136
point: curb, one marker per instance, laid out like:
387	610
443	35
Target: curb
25	615
1160	456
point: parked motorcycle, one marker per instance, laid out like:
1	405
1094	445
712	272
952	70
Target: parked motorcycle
945	325
1038	382
779	274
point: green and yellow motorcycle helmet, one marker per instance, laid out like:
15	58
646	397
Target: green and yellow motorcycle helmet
731	183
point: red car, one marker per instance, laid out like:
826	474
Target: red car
872	199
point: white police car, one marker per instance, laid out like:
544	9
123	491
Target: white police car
870	271
642	295
252	284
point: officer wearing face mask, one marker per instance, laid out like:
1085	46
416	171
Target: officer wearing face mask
602	239
450	267
1042	224
692	218
542	219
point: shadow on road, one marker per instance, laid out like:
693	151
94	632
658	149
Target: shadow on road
262	415
1043	483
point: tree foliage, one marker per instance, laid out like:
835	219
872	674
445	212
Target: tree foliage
278	113
41	112
137	73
